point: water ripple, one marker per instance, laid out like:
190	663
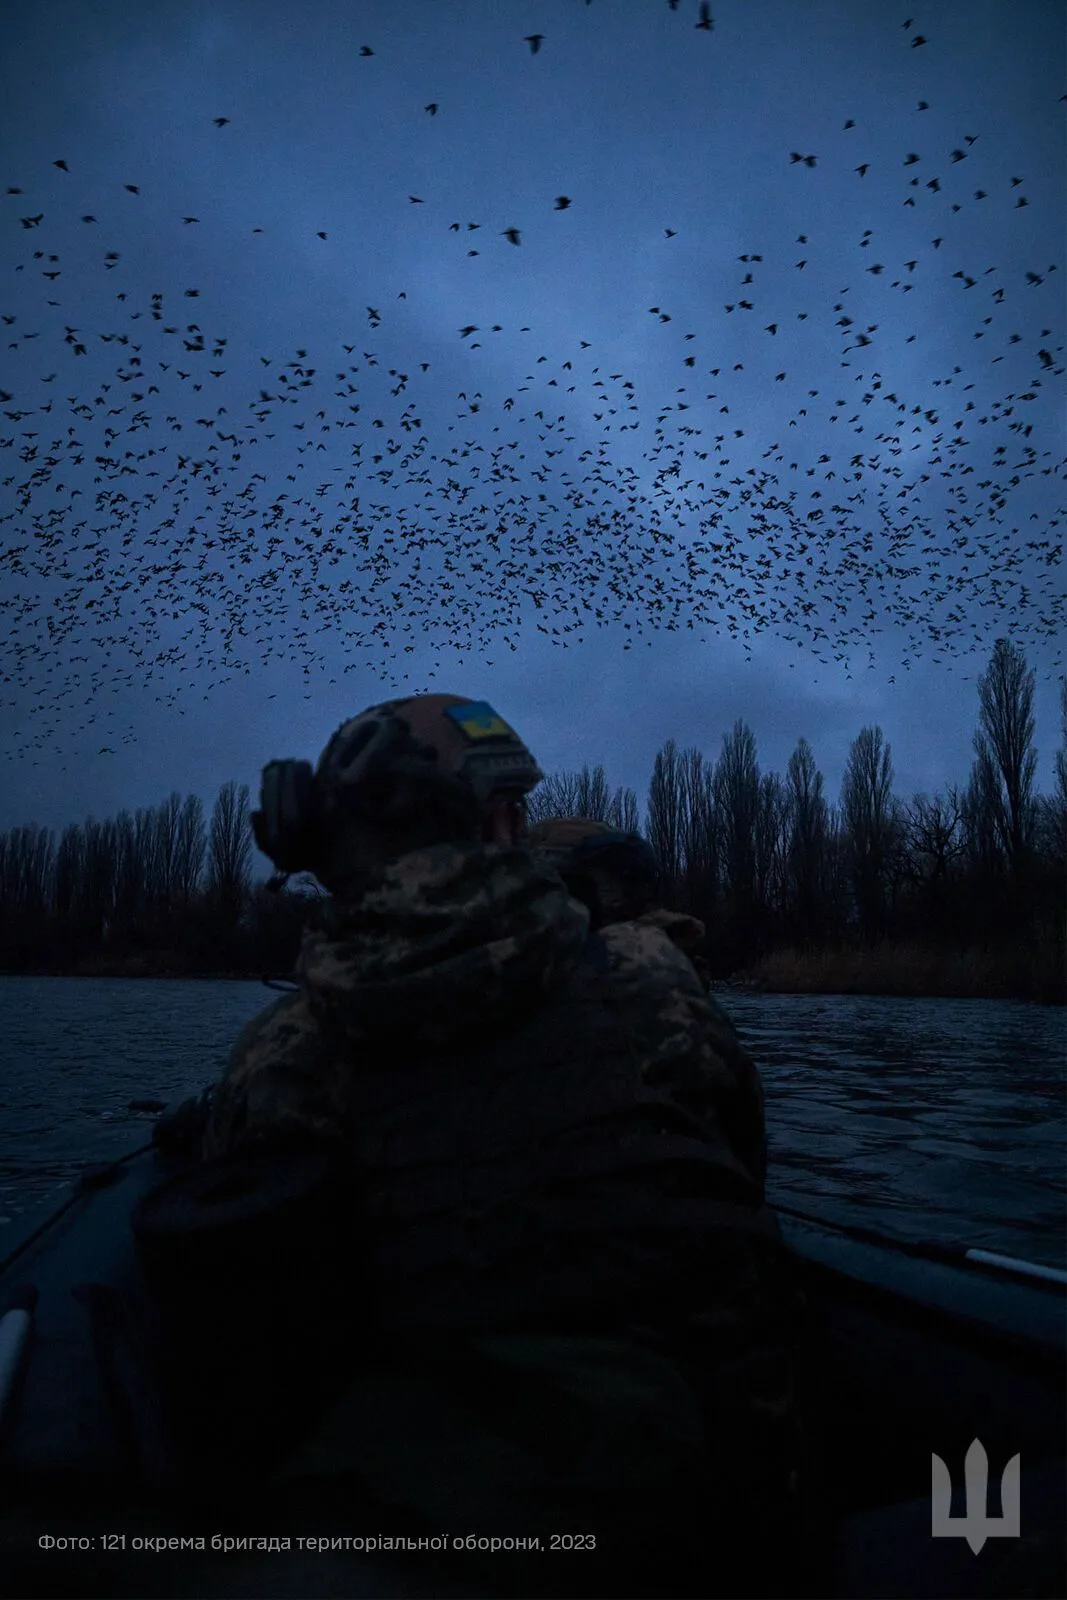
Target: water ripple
929	1119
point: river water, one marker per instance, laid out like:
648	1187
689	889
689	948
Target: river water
939	1120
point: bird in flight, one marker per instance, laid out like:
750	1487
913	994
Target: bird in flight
707	22
220	122
535	41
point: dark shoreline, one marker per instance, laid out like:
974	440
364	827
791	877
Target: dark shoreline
827	982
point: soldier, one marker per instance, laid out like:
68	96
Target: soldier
616	876
580	1300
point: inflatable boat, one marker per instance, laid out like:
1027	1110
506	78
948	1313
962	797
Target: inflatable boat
939	1376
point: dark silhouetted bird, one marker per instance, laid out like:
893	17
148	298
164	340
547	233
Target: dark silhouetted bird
707	22
535	41
431	108
512	235
562	202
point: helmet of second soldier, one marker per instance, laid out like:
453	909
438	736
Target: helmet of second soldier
423	770
614	873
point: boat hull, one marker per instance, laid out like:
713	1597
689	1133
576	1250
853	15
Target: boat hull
906	1359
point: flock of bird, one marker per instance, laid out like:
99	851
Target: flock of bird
327	504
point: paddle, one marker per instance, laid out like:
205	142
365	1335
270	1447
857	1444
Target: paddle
956	1255
16	1324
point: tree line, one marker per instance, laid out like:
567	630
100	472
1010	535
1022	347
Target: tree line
766	861
769	863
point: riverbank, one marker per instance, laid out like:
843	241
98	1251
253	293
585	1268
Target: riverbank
912	971
164	964
903	971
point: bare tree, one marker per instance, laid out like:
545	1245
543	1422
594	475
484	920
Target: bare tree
736	789
101	875
867	809
665	812
1056	807
28	870
1061	753
1006	705
836	894
807	824
125	867
983	835
190	849
624	812
594	797
698	844
582	794
769	853
935	836
555	796
167	835
230	850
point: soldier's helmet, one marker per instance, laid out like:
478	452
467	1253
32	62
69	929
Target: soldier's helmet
614	873
402	775
440	755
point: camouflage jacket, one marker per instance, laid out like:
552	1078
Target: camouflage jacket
683	930
548	1126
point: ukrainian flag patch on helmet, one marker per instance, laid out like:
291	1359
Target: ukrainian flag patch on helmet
478	720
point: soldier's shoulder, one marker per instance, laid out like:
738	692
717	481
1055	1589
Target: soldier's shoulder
284	1024
642	955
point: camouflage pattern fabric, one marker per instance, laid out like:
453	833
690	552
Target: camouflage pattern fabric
453	944
683	930
446	941
562	1137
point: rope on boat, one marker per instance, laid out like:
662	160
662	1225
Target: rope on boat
94	1177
